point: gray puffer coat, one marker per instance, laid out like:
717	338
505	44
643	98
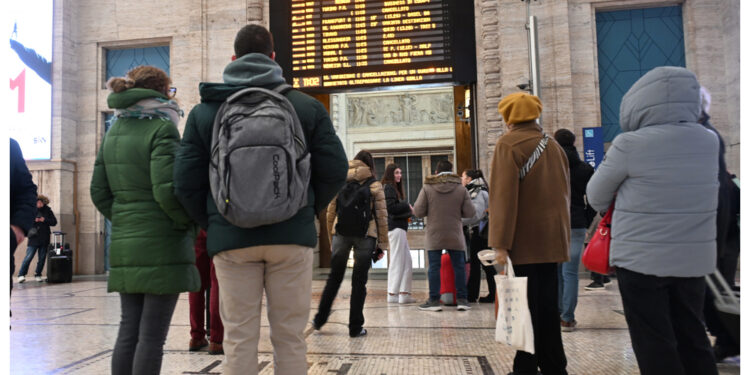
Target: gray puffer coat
663	169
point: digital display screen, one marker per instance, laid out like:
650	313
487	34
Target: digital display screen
337	44
28	68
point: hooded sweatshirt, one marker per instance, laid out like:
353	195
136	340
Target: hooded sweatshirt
444	202
664	169
328	163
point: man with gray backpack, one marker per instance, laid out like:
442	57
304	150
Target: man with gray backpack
257	162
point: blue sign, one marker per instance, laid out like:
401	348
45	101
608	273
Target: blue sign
593	146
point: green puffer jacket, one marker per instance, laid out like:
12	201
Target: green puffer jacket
152	236
328	161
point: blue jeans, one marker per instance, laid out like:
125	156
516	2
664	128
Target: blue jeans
42	256
459	270
567	276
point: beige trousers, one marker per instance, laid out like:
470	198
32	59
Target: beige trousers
285	272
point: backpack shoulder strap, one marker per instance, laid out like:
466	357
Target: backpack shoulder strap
283	88
368	183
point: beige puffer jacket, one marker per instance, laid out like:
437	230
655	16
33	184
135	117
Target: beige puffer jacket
359	171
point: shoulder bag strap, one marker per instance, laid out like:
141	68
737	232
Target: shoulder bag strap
534	157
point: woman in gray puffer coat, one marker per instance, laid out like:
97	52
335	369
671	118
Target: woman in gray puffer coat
663	169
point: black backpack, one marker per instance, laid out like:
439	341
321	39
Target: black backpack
354	209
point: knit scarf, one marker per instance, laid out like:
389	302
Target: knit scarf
475	186
152	108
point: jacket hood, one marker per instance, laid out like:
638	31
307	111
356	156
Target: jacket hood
253	69
130	97
43	198
444	183
572	154
358	171
664	95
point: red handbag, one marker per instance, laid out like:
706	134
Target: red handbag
596	256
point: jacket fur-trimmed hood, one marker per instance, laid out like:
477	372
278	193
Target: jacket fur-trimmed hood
358	171
444	183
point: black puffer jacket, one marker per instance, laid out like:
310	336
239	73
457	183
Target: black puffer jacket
580	174
726	187
22	193
398	210
41	237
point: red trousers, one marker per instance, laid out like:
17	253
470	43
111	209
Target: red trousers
198	299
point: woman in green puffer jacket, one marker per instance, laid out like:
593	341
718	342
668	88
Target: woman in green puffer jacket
151	255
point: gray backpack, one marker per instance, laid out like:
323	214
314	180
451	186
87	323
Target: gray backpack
260	165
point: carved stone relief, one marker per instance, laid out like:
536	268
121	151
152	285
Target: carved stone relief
402	109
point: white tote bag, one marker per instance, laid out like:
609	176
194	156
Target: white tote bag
513	325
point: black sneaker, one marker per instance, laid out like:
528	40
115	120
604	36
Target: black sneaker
317	326
431	305
361	333
606	280
595	286
487	299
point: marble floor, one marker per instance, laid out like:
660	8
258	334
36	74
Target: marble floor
71	329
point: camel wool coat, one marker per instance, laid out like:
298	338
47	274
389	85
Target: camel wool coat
530	217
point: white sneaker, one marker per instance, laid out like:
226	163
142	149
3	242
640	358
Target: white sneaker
21	279
392	298
406	298
462	305
38	278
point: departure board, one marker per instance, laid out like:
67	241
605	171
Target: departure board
329	45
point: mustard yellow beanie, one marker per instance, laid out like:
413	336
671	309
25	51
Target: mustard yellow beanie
519	107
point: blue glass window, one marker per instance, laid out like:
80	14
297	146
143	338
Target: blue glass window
629	44
120	61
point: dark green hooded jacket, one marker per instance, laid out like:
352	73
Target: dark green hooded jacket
329	162
152	235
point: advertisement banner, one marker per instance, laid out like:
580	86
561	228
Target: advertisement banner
28	113
593	146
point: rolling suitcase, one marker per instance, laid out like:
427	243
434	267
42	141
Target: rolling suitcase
727	302
59	260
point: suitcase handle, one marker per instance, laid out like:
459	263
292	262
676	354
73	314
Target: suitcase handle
725	298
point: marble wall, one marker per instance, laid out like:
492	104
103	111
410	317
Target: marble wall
568	61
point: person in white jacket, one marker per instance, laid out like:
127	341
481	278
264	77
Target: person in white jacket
663	171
